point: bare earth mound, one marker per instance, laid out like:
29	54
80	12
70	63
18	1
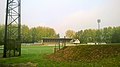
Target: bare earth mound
86	53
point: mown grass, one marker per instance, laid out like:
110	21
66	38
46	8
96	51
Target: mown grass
37	54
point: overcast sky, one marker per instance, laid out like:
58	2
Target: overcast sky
68	14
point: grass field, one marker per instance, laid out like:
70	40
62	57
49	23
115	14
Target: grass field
37	55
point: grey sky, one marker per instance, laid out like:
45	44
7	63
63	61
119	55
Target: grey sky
68	14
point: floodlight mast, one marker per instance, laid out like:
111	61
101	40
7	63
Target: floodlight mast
12	38
99	36
98	23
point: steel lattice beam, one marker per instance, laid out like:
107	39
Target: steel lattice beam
12	40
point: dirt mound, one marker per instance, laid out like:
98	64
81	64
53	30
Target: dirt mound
86	53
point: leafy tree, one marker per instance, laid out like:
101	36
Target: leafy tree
79	35
98	36
116	35
43	32
70	33
87	35
107	34
57	35
25	34
33	34
1	34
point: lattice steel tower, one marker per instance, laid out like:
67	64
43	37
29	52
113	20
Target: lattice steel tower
12	40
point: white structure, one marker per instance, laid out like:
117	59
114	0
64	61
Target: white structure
76	41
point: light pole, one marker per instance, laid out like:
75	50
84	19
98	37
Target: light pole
99	38
98	23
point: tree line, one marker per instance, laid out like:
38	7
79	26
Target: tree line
106	35
34	34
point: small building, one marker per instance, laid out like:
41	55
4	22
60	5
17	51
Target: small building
57	42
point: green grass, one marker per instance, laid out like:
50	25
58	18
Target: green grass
37	54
